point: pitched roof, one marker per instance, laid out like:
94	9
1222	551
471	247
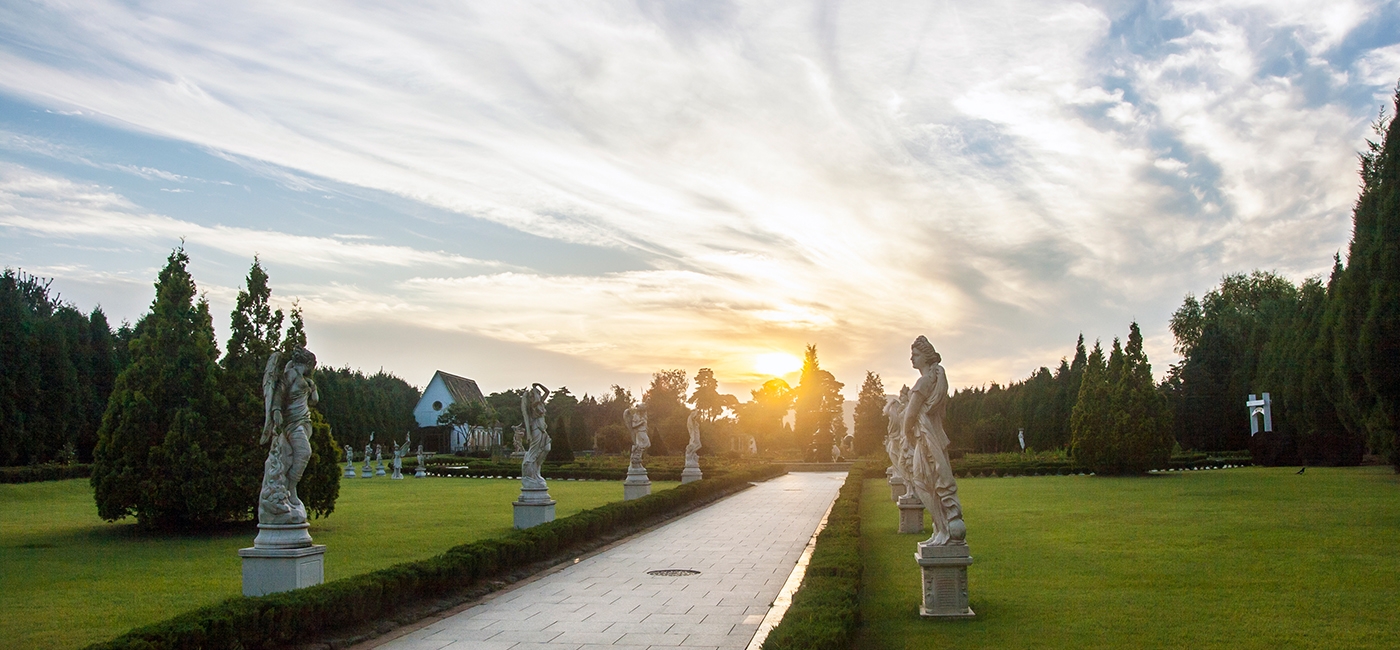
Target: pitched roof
461	388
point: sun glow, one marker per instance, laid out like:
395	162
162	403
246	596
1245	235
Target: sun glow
777	364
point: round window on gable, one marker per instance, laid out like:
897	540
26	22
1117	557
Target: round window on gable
437	406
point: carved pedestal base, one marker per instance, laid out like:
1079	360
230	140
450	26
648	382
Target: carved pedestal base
367	471
690	475
380	470
534	507
350	471
897	488
398	474
637	484
420	472
282	558
911	514
945	580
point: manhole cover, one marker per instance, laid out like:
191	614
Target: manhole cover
673	572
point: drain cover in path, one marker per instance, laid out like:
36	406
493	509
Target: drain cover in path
673	572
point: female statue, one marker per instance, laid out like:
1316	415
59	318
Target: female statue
636	420
536	436
288	396
930	473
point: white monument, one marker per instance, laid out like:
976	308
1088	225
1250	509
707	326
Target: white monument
1261	414
282	557
944	557
534	507
368	470
422	470
637	485
911	509
349	462
379	459
691	473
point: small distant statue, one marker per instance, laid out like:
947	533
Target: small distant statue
835	453
635	418
379	459
927	442
349	461
532	403
753	446
398	460
894	437
692	426
368	470
518	439
422	471
288	395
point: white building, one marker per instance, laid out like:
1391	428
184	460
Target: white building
443	390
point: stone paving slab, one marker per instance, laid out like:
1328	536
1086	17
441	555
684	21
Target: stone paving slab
744	547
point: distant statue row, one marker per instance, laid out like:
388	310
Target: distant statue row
376	454
918	446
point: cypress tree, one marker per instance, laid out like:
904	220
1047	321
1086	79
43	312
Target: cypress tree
1142	421
161	449
871	423
255	332
1089	422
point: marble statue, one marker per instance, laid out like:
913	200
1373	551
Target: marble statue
422	470
692	472
368	470
398	460
635	418
349	461
930	472
536	436
894	442
288	395
753	446
518	438
379	459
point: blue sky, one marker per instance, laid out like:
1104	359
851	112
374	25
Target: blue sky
582	194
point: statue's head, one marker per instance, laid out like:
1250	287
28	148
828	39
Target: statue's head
923	353
304	358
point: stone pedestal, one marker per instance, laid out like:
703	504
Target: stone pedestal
911	514
690	474
421	472
367	471
398	473
349	471
897	488
380	470
637	484
534	507
282	559
945	580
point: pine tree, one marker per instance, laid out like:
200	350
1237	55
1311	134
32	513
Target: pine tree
1089	421
161	450
871	423
320	484
255	332
1143	423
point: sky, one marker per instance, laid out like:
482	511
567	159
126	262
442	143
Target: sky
584	193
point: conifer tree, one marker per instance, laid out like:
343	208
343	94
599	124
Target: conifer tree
161	450
871	423
1089	421
1142	422
255	332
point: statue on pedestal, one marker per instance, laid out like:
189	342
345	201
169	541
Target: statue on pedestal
518	439
368	470
532	403
379	459
349	461
692	472
398	459
422	470
635	418
288	395
931	474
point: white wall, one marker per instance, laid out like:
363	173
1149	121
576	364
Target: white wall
436	391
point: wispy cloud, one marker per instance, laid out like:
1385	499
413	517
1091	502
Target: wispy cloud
1001	177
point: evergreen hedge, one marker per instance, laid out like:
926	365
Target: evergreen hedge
36	473
304	615
825	611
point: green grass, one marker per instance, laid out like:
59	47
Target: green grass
1238	558
68	579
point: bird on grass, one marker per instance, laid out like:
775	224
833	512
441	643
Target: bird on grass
1301	470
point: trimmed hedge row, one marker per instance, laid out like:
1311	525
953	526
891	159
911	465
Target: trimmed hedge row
974	466
301	616
36	473
825	611
556	473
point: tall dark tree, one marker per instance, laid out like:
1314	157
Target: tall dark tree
762	417
707	399
666	411
1366	311
871	423
1091	421
255	332
1142	421
161	450
820	421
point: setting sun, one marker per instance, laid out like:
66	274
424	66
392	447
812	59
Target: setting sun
777	364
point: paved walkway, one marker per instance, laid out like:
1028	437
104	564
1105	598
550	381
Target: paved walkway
744	547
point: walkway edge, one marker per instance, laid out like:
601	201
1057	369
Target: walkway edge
794	582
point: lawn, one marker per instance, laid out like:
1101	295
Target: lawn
1236	558
68	579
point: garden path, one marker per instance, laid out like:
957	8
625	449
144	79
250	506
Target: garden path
744	546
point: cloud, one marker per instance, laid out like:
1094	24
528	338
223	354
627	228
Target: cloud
1002	176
